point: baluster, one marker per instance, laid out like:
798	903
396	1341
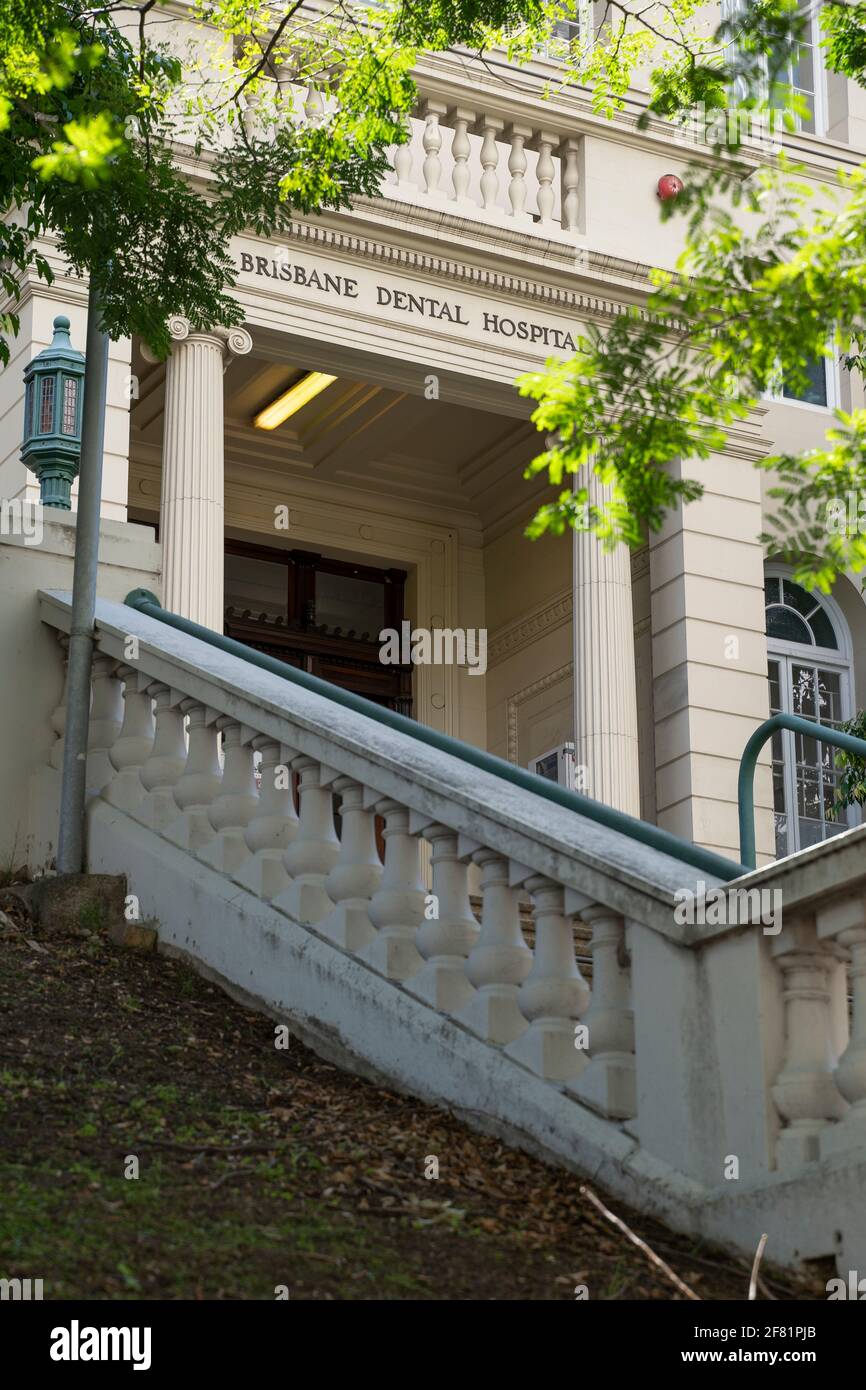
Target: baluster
133	744
250	114
517	165
198	784
461	119
397	907
449	930
166	762
845	921
356	874
58	714
851	1071
500	959
804	1091
312	852
569	152
432	142
272	826
489	127
545	172
609	1081
106	721
403	163
236	803
286	86
554	993
314	106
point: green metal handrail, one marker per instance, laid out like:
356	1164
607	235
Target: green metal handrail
143	601
748	762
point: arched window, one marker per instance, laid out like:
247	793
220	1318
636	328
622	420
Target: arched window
809	660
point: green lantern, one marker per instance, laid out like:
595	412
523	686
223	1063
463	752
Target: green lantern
54	387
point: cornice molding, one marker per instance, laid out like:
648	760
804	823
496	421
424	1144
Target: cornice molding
538	687
449	270
515	636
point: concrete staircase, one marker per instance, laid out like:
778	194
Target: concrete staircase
710	1075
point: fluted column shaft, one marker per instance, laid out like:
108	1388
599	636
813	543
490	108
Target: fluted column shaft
192	501
605	695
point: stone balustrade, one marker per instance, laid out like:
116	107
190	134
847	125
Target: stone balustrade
519	173
752	1017
485	165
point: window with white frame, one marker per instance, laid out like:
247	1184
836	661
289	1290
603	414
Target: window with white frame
819	385
565	32
794	69
809	671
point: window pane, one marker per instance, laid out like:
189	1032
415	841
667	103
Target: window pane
804	69
815	391
823	630
349	603
785	625
803	691
775	691
70	401
771	590
829	697
258	585
46	405
797	597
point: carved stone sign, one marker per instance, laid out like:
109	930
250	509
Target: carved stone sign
383	296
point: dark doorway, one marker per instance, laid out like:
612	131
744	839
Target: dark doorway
321	615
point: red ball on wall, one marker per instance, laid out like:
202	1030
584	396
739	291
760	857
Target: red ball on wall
669	185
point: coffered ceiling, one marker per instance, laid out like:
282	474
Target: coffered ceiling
457	461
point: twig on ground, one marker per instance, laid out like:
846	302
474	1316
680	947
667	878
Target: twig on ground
753	1282
641	1245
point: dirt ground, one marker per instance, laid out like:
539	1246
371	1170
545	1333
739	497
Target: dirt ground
262	1169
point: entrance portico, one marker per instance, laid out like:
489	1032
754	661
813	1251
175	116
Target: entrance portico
412	458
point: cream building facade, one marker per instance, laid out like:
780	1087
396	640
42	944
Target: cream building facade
396	494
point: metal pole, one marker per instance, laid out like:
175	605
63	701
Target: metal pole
70	843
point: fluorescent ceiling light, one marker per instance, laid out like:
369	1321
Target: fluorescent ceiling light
292	400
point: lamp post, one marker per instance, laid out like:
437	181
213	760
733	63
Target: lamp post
54	389
70	843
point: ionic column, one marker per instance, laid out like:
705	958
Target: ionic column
605	695
192	500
